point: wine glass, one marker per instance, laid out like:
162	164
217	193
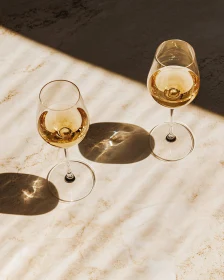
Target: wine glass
62	121
173	81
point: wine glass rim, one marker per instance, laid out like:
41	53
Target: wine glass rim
72	105
192	49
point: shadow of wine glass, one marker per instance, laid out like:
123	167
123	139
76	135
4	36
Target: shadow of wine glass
25	194
116	143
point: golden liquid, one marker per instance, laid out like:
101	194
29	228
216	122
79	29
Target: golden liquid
63	128
174	86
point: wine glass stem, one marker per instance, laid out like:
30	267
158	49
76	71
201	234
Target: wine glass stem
69	177
170	136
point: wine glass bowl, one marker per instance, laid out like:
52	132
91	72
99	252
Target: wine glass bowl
62	121
173	81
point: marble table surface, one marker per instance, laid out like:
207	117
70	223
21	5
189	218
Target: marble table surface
145	219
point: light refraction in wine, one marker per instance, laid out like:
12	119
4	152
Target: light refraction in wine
174	86
63	128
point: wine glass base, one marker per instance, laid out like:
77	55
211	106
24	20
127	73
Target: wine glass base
70	191
171	150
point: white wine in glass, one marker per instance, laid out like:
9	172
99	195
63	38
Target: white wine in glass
174	86
173	81
63	128
62	121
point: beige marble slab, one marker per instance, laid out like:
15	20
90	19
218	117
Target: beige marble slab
145	219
